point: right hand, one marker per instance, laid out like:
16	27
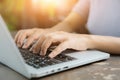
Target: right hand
30	35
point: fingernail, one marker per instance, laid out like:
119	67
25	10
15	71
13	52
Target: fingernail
24	46
31	49
50	56
18	45
41	53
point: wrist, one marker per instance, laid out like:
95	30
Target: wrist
90	42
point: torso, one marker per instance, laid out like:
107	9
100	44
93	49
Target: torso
104	17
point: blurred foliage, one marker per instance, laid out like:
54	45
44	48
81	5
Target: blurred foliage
19	14
10	9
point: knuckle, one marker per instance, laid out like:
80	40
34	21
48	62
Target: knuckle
32	37
48	36
59	32
20	31
44	36
26	44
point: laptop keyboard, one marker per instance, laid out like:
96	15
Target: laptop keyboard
38	61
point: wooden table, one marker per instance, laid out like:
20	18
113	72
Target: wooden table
103	70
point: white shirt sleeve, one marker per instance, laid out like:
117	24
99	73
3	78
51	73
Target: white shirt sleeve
82	8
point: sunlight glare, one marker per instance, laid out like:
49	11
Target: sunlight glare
48	6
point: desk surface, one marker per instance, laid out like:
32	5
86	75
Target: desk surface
104	70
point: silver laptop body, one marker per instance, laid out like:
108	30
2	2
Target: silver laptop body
11	56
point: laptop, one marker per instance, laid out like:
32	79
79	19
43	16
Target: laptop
34	66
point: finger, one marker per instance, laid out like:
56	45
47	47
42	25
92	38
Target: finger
23	37
46	44
29	41
58	50
37	45
18	39
16	36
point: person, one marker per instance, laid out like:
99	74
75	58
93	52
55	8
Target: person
92	24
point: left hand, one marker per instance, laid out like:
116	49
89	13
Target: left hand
65	40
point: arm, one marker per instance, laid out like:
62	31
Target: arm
76	20
83	42
106	44
72	23
78	42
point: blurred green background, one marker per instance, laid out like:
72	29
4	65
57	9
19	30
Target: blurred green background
10	11
24	14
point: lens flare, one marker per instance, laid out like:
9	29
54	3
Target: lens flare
48	6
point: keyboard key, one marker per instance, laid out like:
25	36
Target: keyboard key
38	61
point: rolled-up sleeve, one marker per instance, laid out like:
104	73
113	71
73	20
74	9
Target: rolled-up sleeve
82	8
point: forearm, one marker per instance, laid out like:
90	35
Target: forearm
62	26
106	44
73	23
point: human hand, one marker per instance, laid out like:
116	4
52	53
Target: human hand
30	35
65	40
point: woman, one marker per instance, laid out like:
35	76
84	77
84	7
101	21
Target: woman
101	18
